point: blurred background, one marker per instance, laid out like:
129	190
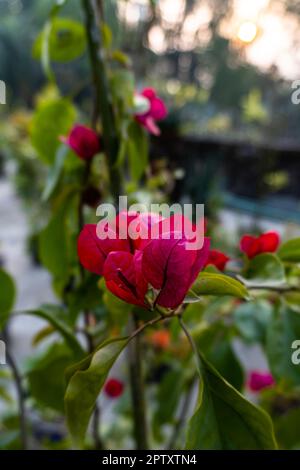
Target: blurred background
225	68
231	139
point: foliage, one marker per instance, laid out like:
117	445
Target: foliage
89	328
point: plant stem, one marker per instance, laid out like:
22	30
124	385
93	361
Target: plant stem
182	416
191	341
87	320
138	390
279	289
103	101
21	399
95	428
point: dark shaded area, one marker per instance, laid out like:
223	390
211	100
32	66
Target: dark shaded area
242	170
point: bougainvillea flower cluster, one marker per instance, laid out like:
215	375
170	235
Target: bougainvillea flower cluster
265	243
258	381
83	141
113	388
131	265
156	112
218	259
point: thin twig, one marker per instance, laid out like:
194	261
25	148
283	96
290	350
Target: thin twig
182	417
21	399
138	392
153	322
191	341
87	319
95	428
103	95
279	289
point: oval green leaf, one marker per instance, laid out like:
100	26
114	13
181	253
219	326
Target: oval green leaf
290	251
66	40
208	283
45	374
54	315
283	330
7	296
52	119
265	270
224	419
85	385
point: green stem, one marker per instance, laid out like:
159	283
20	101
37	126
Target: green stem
182	416
192	342
21	399
102	101
280	289
137	386
95	429
87	320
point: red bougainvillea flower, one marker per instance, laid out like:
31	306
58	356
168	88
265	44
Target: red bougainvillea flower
83	141
257	381
144	251
218	259
169	264
93	252
156	112
118	256
113	388
266	243
160	339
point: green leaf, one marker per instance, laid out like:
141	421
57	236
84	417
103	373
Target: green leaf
66	40
122	58
41	46
7	296
224	419
194	311
283	330
45	52
137	150
292	299
290	251
42	334
252	320
107	36
215	284
118	309
265	270
121	153
10	439
45	375
54	243
87	296
215	343
123	86
55	316
287	429
168	396
5	395
51	120
55	172
85	385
